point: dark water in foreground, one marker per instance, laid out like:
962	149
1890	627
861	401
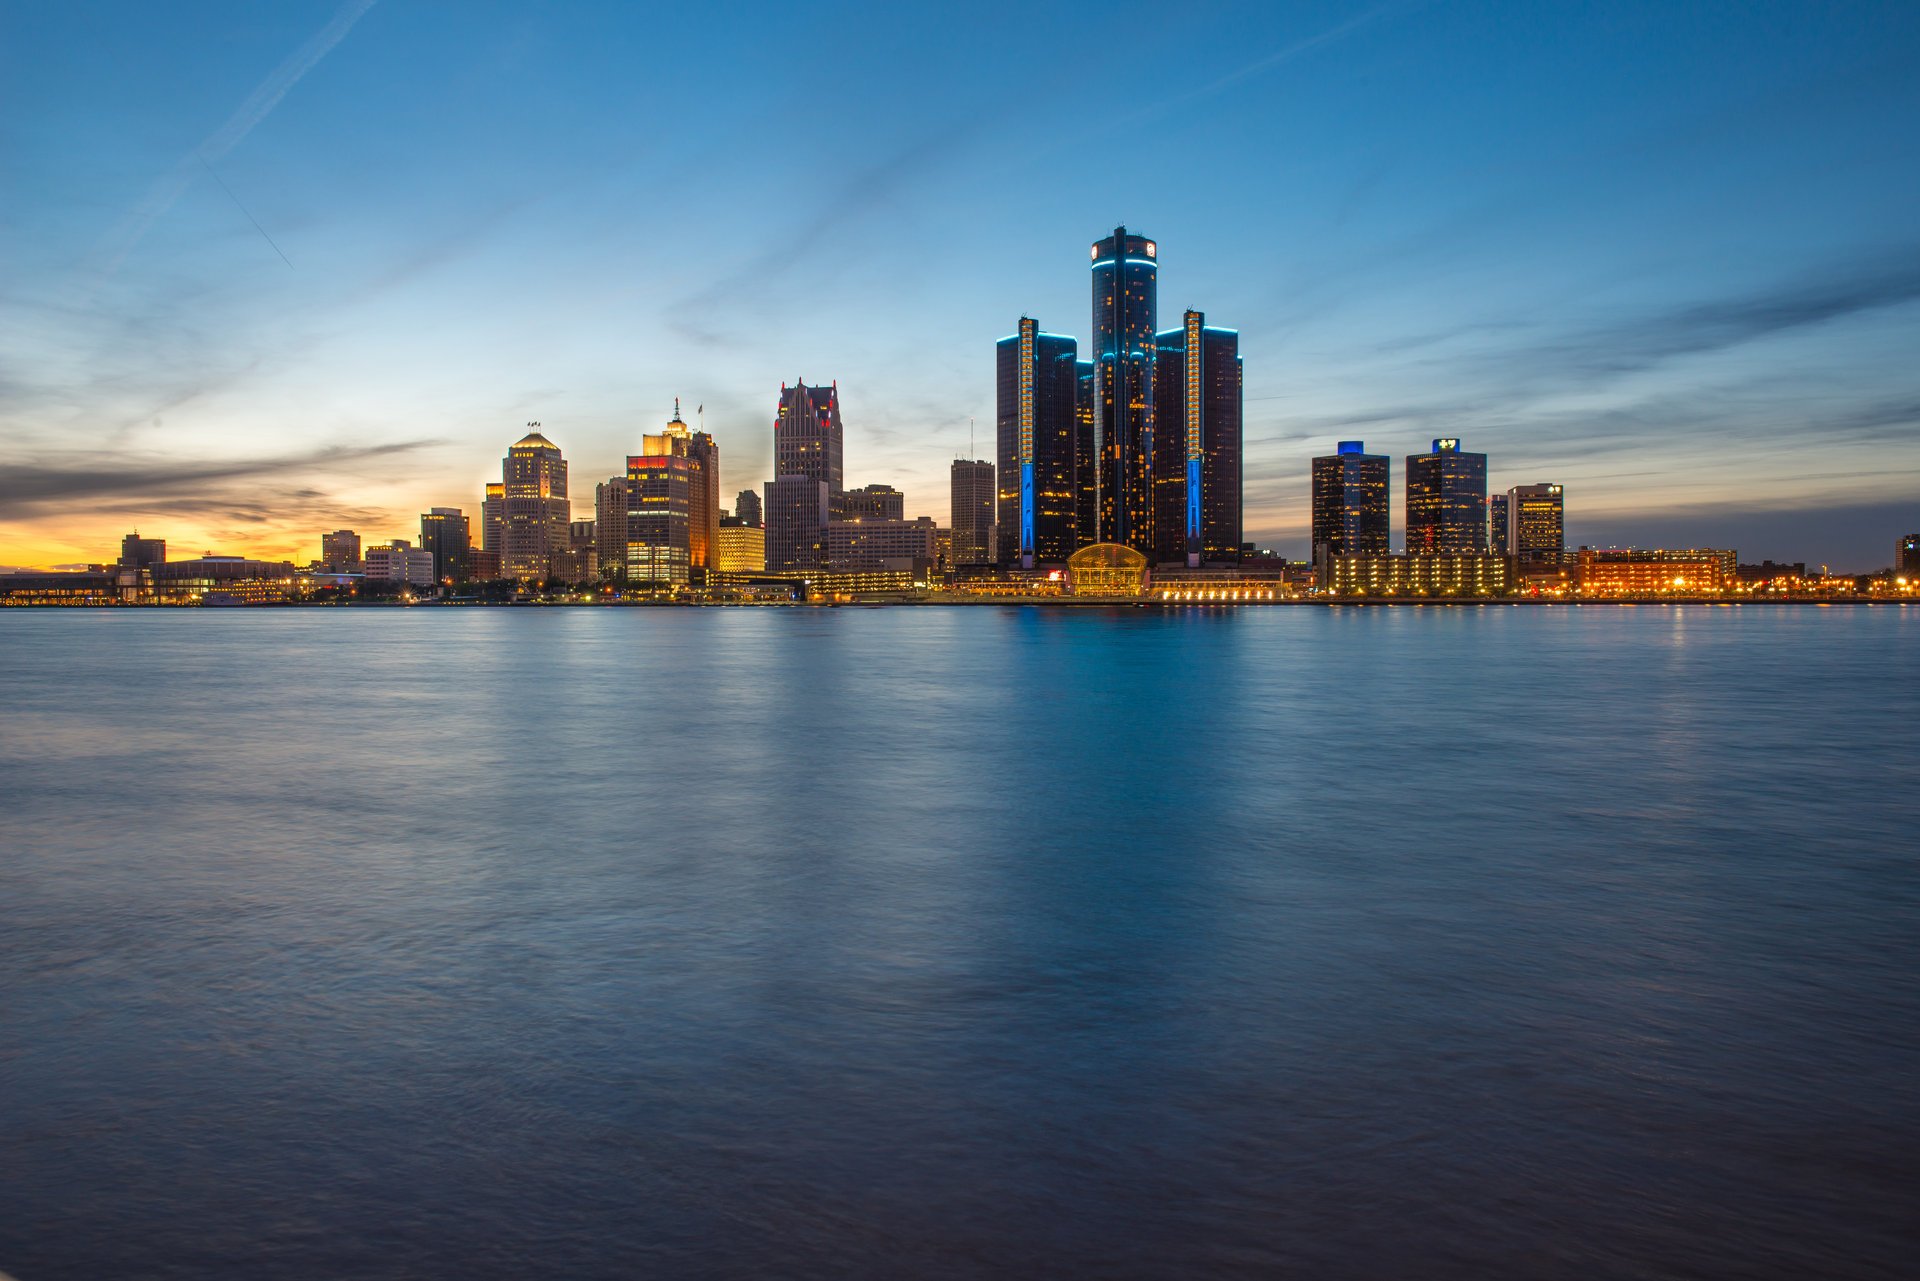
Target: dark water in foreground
960	943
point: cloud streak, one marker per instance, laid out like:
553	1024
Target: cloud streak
231	133
96	477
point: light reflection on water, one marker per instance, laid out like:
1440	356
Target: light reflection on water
1447	942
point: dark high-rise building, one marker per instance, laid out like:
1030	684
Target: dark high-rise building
534	508
340	551
798	509
1350	512
1536	524
1497	524
1037	383
1447	500
1086	458
445	536
871	502
610	529
808	436
747	508
1125	285
143	553
972	519
703	502
1907	555
1196	433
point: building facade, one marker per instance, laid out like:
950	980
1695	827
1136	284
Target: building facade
1197	434
340	551
809	437
610	529
881	544
400	562
871	502
1446	501
747	507
741	548
1350	502
1536	524
1418	574
140	553
797	512
1637	571
445	536
1036	385
493	525
1906	557
660	485
534	512
1497	524
972	501
1125	299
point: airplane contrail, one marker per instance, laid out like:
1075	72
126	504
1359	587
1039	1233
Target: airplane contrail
265	97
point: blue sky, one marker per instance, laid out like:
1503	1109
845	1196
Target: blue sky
270	269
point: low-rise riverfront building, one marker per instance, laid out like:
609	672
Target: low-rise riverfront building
1635	571
1475	574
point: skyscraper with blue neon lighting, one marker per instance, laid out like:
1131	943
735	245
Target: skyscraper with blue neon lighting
1125	296
1196	436
1036	391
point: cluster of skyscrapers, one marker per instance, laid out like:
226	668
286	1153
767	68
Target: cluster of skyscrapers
1139	444
1448	511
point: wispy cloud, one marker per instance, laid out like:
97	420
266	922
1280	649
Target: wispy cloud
98	477
257	106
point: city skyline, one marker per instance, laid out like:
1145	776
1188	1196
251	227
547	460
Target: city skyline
294	293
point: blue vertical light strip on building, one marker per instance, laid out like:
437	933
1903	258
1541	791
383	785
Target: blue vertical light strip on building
1028	329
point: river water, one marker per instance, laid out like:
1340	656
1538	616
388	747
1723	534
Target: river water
966	942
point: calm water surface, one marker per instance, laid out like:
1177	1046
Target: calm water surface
960	943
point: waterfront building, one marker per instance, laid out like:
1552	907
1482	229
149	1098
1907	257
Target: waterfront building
610	529
583	551
1637	571
400	562
741	548
747	508
534	512
445	536
1447	501
1417	574
797	512
1108	569
1125	298
660	484
484	566
224	580
1536	524
1497	524
1196	434
1906	558
340	551
1350	512
882	544
493	506
809	437
871	502
1036	384
972	500
138	553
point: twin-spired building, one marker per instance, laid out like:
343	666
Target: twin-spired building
1139	445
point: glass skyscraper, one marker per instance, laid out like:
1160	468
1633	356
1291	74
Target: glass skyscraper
1350	512
1036	389
1196	435
1125	298
1446	500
